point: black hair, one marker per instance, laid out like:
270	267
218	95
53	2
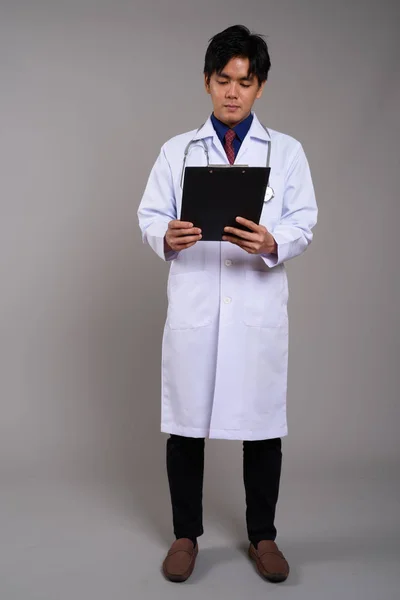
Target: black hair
234	42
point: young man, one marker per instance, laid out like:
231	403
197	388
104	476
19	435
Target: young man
225	343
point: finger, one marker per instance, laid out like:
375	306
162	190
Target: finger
175	224
245	235
185	246
191	231
188	239
249	247
250	224
233	240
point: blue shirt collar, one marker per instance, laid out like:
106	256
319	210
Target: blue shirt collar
241	129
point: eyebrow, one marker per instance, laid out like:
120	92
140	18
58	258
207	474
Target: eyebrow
248	78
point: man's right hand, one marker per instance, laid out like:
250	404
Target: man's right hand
181	235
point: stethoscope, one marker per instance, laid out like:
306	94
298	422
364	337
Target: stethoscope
269	193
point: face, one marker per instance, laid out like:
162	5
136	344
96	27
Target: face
233	92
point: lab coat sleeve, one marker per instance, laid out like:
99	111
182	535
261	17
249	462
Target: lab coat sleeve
158	207
293	233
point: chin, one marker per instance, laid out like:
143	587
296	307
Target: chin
227	117
234	117
231	119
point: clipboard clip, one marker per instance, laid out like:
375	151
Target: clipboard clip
227	166
211	167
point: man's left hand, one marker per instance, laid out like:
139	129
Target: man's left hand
257	241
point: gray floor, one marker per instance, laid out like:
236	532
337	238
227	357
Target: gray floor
64	538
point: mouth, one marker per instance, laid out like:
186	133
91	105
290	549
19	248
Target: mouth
232	106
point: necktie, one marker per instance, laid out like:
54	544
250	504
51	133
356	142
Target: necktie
230	152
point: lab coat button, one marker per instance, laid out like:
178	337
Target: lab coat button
227	300
228	262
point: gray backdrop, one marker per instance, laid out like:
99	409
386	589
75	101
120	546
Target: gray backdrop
89	93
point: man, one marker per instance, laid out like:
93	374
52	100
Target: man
225	343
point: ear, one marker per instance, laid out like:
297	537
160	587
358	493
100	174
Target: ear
260	90
207	83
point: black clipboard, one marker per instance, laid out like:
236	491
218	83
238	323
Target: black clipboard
215	195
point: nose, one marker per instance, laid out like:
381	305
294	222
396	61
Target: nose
232	91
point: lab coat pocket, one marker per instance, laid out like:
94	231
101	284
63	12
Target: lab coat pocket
189	304
265	301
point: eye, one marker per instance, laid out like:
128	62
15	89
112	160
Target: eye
222	82
245	85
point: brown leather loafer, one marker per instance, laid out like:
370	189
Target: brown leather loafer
270	561
180	560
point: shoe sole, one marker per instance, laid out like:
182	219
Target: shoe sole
272	577
186	575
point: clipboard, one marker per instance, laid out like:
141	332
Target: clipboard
215	195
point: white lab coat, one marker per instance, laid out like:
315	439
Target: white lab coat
225	342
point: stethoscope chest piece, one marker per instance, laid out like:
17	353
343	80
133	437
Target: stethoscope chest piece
269	194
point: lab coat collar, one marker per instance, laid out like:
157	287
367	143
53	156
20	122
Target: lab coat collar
256	130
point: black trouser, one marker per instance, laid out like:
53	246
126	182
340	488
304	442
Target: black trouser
262	462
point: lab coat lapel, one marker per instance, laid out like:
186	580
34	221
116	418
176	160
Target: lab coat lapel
239	160
207	132
256	131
